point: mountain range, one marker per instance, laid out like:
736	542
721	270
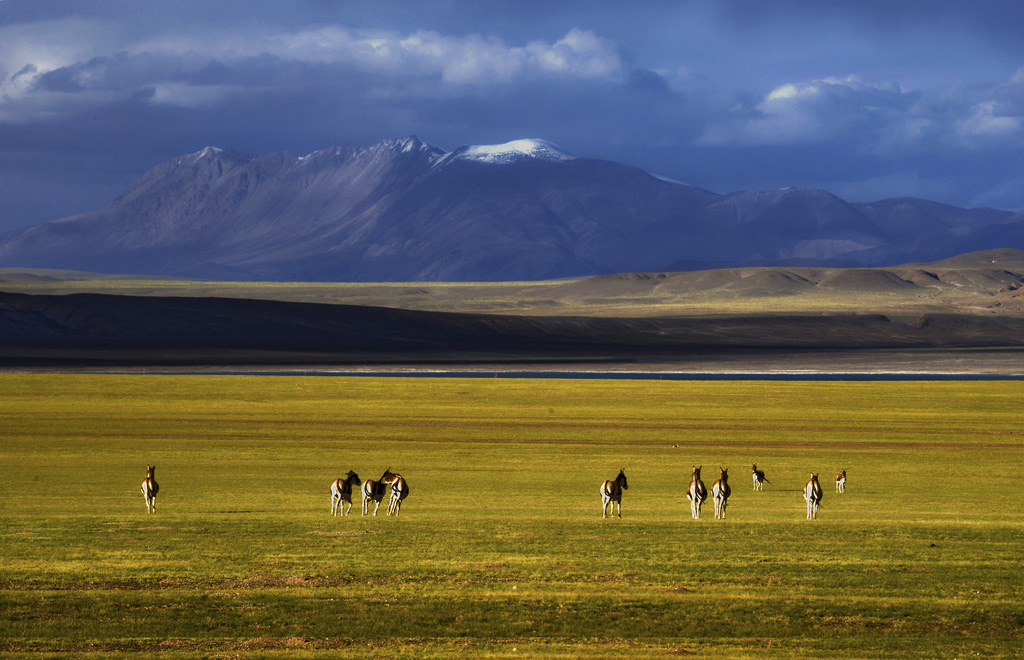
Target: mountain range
404	210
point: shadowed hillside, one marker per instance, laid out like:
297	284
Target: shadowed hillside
973	301
157	330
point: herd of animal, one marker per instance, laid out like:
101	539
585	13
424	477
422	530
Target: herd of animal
341	492
373	491
611	492
697	493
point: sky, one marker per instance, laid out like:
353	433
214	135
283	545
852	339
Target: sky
868	99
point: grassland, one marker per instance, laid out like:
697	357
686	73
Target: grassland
500	550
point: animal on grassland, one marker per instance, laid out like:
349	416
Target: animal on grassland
813	494
341	492
696	493
399	491
720	492
150	488
611	494
841	482
374	491
759	479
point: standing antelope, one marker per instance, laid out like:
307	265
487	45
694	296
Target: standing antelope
720	491
399	491
759	479
696	493
813	493
150	489
841	482
341	492
611	494
373	491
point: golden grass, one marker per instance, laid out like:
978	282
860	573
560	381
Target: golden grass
500	551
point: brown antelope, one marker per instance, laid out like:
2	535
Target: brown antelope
696	493
341	492
759	479
150	489
611	494
373	491
841	482
720	491
812	493
399	491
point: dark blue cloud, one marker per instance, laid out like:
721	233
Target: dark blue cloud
647	79
866	98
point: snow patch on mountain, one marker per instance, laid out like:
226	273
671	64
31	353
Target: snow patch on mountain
208	151
410	144
513	151
668	179
195	157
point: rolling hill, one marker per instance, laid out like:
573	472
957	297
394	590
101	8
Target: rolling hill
967	303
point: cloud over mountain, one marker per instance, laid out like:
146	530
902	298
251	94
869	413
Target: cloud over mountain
868	99
404	210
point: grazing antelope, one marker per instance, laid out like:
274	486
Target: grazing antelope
611	494
841	482
813	493
696	493
759	479
341	492
399	491
720	491
150	489
373	491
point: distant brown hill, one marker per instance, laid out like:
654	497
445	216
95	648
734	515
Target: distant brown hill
971	301
978	282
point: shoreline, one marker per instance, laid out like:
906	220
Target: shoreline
850	364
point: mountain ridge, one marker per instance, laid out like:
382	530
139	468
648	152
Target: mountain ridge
405	210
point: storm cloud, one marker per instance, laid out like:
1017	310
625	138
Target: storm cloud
865	99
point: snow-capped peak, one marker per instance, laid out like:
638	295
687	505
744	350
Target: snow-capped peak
208	151
409	144
196	156
512	151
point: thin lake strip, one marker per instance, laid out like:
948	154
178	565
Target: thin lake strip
583	375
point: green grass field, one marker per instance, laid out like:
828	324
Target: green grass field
500	550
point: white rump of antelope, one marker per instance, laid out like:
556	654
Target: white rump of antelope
696	493
720	492
150	489
812	494
399	491
611	494
341	492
